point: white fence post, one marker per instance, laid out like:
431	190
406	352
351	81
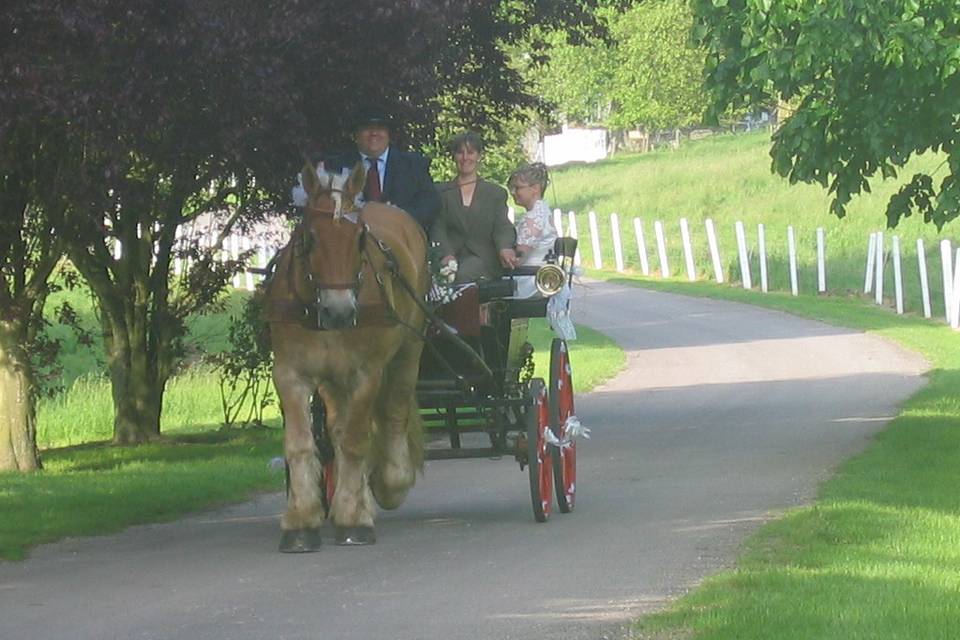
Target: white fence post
234	254
595	240
924	285
177	245
946	255
245	245
897	276
878	264
744	260
687	250
511	215
262	257
714	251
792	250
558	221
641	246
573	233
662	249
821	262
762	247
955	299
617	243
871	255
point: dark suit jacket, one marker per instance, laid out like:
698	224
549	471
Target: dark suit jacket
475	234
407	183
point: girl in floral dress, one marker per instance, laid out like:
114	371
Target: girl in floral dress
536	233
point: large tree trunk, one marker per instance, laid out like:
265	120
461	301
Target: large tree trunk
18	427
138	380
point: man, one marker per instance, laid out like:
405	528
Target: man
398	177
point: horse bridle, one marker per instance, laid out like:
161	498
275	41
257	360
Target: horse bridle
301	253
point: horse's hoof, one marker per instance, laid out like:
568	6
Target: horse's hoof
355	536
300	541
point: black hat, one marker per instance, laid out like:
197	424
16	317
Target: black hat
374	116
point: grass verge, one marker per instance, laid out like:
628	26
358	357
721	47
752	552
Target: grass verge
877	554
94	488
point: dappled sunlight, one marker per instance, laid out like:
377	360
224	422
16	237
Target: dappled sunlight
766	361
724	523
590	609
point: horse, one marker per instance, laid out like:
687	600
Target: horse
346	320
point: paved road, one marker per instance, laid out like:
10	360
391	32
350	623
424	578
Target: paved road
725	414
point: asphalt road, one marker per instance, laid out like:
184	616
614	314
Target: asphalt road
725	415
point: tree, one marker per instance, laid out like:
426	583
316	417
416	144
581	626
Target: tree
873	83
175	109
658	71
578	78
31	244
646	74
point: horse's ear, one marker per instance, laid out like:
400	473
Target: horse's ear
358	178
309	179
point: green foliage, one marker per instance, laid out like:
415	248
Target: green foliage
578	79
243	370
873	83
646	74
503	152
657	71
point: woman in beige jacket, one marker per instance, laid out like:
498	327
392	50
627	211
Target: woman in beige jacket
472	226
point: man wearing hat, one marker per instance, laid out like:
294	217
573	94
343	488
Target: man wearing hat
399	177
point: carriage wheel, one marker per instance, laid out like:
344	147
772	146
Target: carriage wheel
561	408
539	460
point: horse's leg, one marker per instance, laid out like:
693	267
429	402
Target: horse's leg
301	521
352	508
399	430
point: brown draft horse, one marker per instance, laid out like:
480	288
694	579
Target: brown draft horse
345	324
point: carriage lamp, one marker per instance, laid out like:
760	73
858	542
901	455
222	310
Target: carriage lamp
549	279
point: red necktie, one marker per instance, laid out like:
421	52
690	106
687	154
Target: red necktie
372	189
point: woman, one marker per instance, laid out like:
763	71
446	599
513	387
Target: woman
472	227
535	231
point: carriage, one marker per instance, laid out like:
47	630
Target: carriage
481	380
361	363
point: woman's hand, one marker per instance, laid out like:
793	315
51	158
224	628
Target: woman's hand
445	260
508	258
523	249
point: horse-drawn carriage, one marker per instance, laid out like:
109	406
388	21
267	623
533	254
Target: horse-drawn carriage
349	320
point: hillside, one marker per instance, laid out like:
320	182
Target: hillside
727	178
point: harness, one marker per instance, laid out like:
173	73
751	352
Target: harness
372	310
380	312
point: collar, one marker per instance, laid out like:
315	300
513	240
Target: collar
381	161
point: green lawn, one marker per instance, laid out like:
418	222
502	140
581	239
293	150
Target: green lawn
727	178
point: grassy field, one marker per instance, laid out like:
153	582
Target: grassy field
88	487
727	178
876	555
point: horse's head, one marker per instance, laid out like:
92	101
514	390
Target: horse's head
331	248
